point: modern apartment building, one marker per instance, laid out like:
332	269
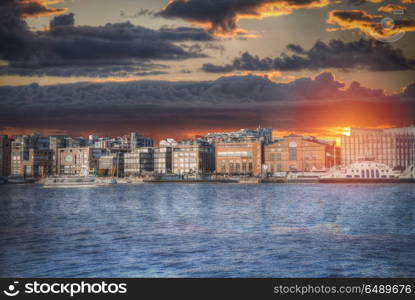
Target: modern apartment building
19	153
193	157
394	147
79	160
139	161
298	153
78	142
239	158
108	165
56	142
39	163
163	160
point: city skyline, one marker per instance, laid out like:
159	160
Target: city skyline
247	152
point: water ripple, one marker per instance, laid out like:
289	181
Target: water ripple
174	230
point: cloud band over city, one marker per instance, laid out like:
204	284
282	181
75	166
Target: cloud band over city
186	67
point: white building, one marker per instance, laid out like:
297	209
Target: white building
394	147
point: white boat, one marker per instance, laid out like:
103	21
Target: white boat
77	181
19	180
367	171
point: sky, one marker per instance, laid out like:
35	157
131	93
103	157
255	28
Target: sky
180	68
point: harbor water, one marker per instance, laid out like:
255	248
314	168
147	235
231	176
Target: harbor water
208	230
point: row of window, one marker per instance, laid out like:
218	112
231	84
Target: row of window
236	167
187	154
235	154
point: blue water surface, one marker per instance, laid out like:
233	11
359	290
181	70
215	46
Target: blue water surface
208	230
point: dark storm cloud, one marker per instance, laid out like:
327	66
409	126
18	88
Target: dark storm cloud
98	71
66	45
63	20
36	8
370	25
225	91
142	12
409	91
221	16
14	33
363	54
228	102
125	31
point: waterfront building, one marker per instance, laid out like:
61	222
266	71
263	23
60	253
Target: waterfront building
108	165
263	134
19	153
31	156
79	160
163	157
112	163
298	153
5	155
139	161
119	154
194	156
394	147
163	160
38	164
56	142
239	158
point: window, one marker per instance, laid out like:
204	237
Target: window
238	168
272	156
244	166
292	154
235	154
279	156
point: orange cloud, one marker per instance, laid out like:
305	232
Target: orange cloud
39	8
221	17
390	8
375	26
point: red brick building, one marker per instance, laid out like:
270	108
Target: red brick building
297	153
239	158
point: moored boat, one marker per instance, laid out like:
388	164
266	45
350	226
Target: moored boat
367	172
77	181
